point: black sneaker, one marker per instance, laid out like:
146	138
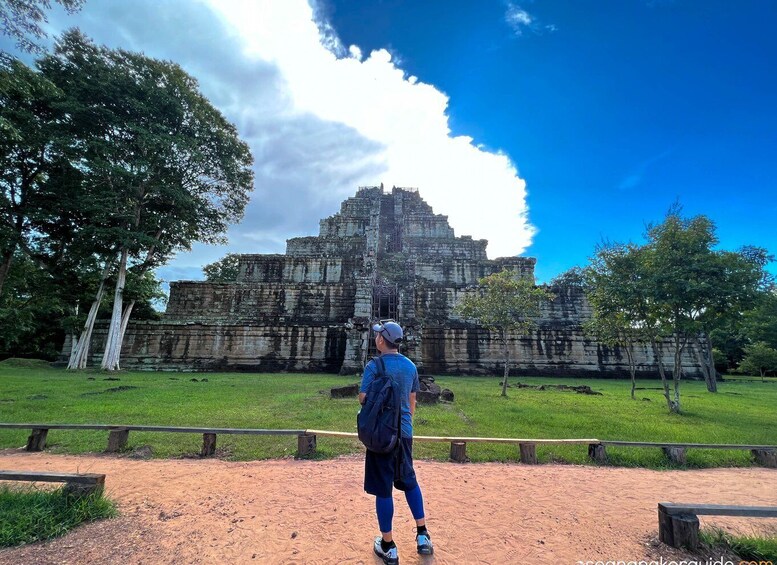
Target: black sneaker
390	557
424	543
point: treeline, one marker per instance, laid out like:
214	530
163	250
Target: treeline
680	294
110	163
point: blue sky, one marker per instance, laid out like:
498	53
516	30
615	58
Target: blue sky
611	110
544	126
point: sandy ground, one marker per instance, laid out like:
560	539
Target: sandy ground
288	511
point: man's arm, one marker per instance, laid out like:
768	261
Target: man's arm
362	397
412	404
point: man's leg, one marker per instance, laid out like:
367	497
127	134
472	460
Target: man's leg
385	510
416	503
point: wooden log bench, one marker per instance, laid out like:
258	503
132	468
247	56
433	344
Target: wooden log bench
678	524
764	455
76	484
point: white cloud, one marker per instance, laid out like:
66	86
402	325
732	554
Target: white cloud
517	18
480	191
321	120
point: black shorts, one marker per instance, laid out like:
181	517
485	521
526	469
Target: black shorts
382	470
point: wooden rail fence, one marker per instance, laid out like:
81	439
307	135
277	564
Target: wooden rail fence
118	435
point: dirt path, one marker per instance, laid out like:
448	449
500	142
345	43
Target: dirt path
287	511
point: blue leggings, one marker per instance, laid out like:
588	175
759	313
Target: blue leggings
385	508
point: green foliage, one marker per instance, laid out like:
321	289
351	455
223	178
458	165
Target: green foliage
505	303
674	291
223	270
741	413
755	549
22	19
574	277
760	323
760	359
28	515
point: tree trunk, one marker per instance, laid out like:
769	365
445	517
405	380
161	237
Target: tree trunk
506	352
80	357
125	317
677	373
703	354
632	369
5	266
658	353
111	356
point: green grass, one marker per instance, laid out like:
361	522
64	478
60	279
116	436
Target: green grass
752	548
29	515
741	412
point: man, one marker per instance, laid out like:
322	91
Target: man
382	471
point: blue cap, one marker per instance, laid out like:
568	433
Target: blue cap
391	331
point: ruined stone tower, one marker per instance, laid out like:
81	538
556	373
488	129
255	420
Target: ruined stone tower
384	255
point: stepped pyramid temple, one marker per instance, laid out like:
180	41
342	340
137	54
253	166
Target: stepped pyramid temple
384	255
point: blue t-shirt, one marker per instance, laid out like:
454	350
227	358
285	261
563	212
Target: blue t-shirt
404	372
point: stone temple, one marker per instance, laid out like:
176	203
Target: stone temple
384	255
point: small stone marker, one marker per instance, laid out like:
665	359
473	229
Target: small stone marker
347	391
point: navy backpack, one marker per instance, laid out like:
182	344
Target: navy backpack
379	420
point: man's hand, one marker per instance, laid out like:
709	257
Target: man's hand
362	397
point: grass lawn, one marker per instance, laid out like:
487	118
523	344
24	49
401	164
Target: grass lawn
743	411
28	515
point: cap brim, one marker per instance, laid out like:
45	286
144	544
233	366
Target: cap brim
377	327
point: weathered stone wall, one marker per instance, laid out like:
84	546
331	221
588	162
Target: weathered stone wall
254	303
309	246
229	347
296	269
551	351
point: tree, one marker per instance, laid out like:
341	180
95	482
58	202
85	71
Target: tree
505	303
223	270
28	147
760	323
22	19
163	163
614	284
759	358
574	277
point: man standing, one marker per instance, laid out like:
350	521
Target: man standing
384	471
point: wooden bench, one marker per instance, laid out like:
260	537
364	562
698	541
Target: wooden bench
77	484
764	455
678	524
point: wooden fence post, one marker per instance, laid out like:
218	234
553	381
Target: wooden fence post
528	453
765	457
597	452
37	440
306	445
117	440
208	445
459	451
675	454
